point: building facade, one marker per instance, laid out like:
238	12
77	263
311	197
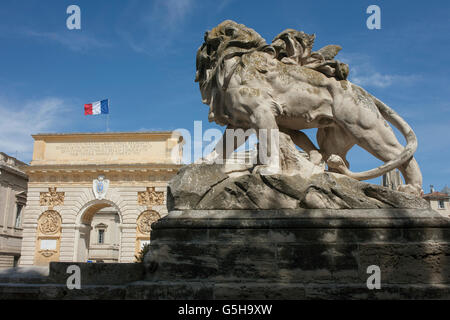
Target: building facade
93	197
439	201
13	197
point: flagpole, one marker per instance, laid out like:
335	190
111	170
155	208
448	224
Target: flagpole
107	116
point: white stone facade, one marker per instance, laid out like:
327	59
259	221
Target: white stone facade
134	190
13	188
78	200
439	201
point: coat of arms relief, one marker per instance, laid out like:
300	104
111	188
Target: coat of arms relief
100	187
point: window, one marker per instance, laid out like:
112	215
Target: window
441	204
18	222
101	236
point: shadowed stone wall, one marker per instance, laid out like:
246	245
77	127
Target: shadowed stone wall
296	254
269	254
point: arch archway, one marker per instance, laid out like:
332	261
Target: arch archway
98	237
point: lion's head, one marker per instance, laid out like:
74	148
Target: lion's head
228	38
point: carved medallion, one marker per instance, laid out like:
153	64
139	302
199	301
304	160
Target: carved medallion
146	219
100	187
50	222
51	198
151	197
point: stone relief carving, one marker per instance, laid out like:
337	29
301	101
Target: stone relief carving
100	187
285	86
47	253
51	198
150	197
145	220
49	222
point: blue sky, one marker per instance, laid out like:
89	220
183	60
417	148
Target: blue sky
141	55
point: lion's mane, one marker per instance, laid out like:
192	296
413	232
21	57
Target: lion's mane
225	41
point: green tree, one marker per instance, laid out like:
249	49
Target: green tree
140	256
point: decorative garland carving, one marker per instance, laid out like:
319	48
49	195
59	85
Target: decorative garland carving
145	220
49	222
47	253
51	198
151	197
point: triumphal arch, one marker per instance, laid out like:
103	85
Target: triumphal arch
93	196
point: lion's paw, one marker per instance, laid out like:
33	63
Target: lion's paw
336	162
411	189
315	157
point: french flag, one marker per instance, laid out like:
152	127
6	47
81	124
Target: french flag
98	107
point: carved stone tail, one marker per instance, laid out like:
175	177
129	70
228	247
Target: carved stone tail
411	146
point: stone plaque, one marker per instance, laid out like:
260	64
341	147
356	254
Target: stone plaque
48	244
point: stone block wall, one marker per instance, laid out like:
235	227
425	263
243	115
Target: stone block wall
298	254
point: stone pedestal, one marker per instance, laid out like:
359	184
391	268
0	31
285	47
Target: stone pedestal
298	254
269	254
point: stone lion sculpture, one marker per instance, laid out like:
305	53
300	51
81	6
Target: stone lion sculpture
249	84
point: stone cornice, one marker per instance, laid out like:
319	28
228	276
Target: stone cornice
118	173
15	171
94	168
122	135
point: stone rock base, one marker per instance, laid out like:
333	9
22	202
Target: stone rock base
236	187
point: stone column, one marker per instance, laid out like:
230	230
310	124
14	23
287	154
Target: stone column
68	240
128	242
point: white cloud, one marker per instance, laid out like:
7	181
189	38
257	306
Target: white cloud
73	40
147	27
376	79
224	4
18	121
174	11
364	73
